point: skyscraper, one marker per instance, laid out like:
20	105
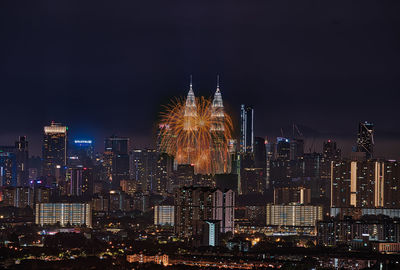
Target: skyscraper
116	149
54	150
365	139
246	129
8	168
219	152
22	156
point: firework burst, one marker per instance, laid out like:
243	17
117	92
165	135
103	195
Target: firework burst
197	132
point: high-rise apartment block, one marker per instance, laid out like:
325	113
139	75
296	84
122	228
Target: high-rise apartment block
195	205
365	184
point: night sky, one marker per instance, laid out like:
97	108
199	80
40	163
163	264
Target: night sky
105	67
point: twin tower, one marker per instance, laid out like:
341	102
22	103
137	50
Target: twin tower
207	130
217	108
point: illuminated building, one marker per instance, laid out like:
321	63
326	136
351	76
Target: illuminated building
252	180
296	148
164	173
140	258
18	196
293	215
211	232
194	205
365	139
137	165
184	176
42	195
82	150
282	148
74	180
117	149
164	215
54	151
246	129
144	169
219	146
75	214
197	131
128	186
286	195
340	184
365	184
358	233
330	153
22	157
8	168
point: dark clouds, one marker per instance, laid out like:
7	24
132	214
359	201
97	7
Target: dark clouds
105	67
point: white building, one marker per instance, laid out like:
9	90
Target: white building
64	213
164	215
293	214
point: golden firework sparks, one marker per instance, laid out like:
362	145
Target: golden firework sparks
196	131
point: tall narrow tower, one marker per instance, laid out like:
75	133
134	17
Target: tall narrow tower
190	109
186	155
246	129
219	145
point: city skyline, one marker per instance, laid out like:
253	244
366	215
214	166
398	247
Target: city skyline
320	79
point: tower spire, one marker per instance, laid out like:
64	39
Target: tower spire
217	82
191	82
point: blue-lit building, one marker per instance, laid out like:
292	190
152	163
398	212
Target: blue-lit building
8	169
81	151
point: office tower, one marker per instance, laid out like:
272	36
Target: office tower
137	166
282	148
252	180
330	150
164	215
246	129
82	151
116	149
311	165
164	171
195	205
296	148
330	153
365	139
149	184
42	195
293	215
18	196
22	157
260	154
144	169
8	168
118	201
74	214
54	152
286	195
74	181
270	148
